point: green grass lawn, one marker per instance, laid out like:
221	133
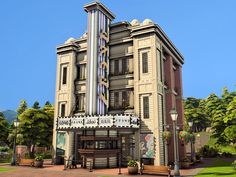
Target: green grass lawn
219	168
3	169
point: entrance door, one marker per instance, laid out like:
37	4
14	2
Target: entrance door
127	144
78	145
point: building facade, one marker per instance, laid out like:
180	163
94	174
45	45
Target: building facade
115	87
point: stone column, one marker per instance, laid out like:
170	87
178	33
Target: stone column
179	104
169	100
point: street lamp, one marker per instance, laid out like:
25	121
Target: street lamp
16	124
190	123
174	116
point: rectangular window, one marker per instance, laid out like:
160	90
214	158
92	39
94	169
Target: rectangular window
64	75
80	101
116	67
116	99
124	66
81	72
145	107
63	110
124	99
145	62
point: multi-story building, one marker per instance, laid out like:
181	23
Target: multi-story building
115	87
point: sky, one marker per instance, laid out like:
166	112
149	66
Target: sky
202	30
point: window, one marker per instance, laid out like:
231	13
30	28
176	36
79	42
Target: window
125	100
80	101
116	99
63	110
145	107
124	66
116	67
64	75
81	72
145	62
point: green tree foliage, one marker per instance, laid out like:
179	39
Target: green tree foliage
48	103
22	107
230	122
36	105
194	111
36	127
214	111
3	128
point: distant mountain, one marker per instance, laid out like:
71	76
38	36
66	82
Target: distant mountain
10	115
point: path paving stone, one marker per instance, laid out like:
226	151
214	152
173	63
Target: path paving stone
57	171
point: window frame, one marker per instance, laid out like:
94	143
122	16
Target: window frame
146	107
62	109
64	75
144	62
116	67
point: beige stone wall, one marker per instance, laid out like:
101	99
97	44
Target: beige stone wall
65	93
146	84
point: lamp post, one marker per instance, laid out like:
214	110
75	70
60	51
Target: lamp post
16	124
174	116
190	123
119	173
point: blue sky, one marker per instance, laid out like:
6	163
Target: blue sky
30	30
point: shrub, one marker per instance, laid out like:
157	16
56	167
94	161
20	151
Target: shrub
198	156
227	154
234	164
47	155
207	151
4	148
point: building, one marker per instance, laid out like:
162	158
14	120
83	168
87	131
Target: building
115	87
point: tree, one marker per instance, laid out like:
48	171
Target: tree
230	121
194	111
22	107
219	111
212	102
47	103
3	128
49	110
36	105
36	127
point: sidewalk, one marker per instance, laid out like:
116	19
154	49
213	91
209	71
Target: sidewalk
57	171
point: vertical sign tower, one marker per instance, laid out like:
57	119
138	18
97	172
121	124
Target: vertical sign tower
97	94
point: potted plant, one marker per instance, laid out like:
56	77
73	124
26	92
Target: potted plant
166	136
38	161
184	136
185	163
132	167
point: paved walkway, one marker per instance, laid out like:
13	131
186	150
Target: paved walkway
57	171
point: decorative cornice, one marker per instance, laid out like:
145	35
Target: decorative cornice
154	28
67	48
98	5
